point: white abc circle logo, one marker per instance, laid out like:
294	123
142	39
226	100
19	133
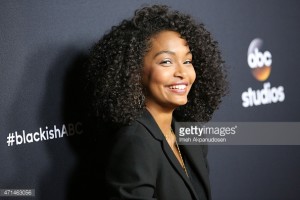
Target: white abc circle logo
259	61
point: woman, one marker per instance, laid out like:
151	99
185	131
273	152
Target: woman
150	70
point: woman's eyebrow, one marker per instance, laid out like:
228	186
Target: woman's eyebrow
164	51
168	52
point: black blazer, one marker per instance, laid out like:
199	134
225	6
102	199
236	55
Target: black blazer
142	166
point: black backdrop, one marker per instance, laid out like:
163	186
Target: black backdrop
43	45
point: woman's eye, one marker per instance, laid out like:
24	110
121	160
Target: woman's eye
166	62
188	62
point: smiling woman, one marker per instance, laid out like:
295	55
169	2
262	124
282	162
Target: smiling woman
149	71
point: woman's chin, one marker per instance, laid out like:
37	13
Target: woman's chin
179	103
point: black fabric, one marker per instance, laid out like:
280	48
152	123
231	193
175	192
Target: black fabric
197	183
143	166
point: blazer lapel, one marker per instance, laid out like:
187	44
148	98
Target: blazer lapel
149	123
194	153
175	163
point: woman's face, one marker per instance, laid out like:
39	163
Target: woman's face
168	71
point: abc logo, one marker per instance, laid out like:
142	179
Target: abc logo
259	62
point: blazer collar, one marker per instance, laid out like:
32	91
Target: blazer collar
150	124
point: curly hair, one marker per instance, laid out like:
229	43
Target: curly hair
116	61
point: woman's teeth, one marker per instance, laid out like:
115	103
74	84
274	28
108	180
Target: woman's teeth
179	87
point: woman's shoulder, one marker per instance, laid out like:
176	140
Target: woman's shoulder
134	141
134	131
143	127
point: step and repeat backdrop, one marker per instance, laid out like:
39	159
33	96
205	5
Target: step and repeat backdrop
49	148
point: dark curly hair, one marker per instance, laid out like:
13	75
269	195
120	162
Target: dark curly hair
115	67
